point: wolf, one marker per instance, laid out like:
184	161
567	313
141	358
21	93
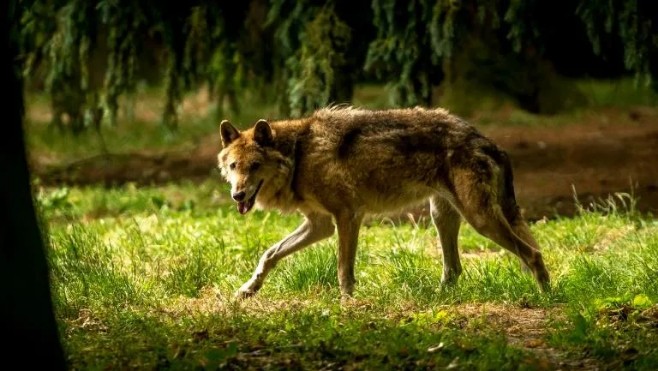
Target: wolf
342	163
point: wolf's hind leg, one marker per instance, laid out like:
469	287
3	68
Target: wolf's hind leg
447	221
520	228
314	228
483	209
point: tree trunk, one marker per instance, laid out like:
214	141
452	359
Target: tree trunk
29	329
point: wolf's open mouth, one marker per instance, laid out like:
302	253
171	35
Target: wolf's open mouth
245	206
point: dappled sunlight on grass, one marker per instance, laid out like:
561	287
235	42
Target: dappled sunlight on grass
155	269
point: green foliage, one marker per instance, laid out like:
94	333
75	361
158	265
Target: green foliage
98	51
399	53
125	23
633	23
61	34
320	57
312	59
55	200
307	54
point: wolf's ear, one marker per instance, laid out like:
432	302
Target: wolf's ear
263	133
229	133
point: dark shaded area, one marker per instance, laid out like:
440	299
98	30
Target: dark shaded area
347	142
570	50
28	322
305	55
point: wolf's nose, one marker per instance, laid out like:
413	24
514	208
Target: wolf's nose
239	196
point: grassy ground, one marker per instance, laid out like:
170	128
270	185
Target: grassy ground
143	278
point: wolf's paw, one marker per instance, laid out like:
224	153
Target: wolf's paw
244	293
249	289
448	282
347	300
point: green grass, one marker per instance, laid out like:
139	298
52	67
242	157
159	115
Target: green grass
617	93
144	277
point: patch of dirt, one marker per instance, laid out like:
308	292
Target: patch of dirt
618	153
610	152
525	328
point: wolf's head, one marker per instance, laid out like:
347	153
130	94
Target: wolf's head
249	161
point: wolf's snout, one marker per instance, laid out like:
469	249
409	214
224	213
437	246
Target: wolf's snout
239	196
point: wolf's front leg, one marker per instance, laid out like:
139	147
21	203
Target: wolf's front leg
314	228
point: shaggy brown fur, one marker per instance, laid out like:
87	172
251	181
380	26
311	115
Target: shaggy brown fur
341	163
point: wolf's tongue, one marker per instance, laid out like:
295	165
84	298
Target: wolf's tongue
245	206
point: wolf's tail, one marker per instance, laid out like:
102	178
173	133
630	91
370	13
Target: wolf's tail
508	196
508	180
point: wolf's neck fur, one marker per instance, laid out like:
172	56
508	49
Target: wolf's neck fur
279	191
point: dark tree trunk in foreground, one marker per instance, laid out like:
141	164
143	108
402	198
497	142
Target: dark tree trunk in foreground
28	331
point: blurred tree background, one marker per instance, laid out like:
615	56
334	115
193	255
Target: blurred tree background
88	54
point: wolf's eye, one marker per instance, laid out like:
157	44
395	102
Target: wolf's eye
232	166
255	166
